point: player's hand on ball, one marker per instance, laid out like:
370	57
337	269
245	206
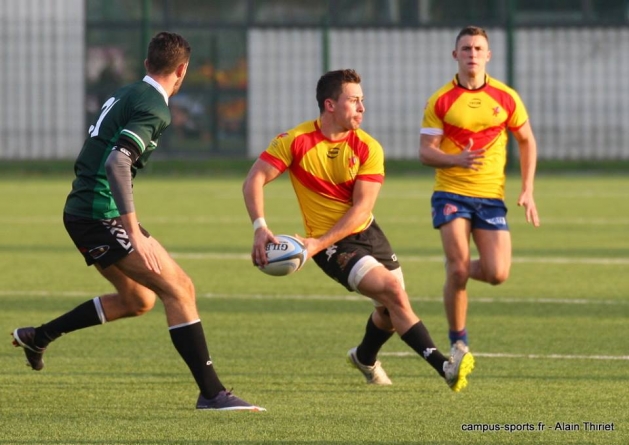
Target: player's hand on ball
284	257
261	238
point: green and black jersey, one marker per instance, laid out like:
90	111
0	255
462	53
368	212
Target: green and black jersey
138	114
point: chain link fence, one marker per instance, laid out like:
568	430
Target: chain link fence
255	67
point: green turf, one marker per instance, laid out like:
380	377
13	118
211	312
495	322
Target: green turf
551	341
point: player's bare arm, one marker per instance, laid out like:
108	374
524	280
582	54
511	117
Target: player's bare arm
261	173
528	164
430	154
364	199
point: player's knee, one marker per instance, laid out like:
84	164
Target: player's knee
394	295
139	304
143	307
188	286
183	289
394	286
383	313
458	273
498	277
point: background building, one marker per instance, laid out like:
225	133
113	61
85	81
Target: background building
256	62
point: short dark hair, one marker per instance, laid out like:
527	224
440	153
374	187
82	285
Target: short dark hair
167	50
471	31
330	85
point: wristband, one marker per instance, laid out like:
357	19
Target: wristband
260	222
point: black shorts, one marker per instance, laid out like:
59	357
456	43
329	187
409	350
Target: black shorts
338	260
102	241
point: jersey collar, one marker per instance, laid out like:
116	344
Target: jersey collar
455	81
148	79
317	124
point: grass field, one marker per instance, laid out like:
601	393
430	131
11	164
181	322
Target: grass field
550	344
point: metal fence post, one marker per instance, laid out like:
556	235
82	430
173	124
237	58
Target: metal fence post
146	33
510	70
325	40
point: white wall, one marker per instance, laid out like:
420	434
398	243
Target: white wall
572	81
284	67
42	78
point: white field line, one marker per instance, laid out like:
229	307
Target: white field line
527	356
423	259
344	297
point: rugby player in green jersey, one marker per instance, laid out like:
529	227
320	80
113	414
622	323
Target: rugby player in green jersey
100	217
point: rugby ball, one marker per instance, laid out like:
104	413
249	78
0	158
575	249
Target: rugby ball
286	257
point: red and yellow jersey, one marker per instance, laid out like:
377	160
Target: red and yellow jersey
483	115
323	172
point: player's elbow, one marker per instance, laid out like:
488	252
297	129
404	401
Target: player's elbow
255	178
248	185
425	158
245	186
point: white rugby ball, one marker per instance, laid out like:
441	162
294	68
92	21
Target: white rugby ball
286	257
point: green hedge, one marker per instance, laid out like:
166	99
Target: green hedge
239	167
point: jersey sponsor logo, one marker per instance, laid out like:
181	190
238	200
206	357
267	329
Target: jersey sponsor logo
98	252
333	152
474	103
449	209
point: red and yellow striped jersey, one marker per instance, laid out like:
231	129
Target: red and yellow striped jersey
483	115
323	172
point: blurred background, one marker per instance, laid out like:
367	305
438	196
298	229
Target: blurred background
255	64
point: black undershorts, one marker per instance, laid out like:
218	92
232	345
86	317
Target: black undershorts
338	260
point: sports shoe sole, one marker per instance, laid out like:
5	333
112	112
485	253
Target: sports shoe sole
465	368
226	401
255	409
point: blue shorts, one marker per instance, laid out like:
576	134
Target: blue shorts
484	213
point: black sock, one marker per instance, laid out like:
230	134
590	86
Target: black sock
373	340
83	316
418	338
189	341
